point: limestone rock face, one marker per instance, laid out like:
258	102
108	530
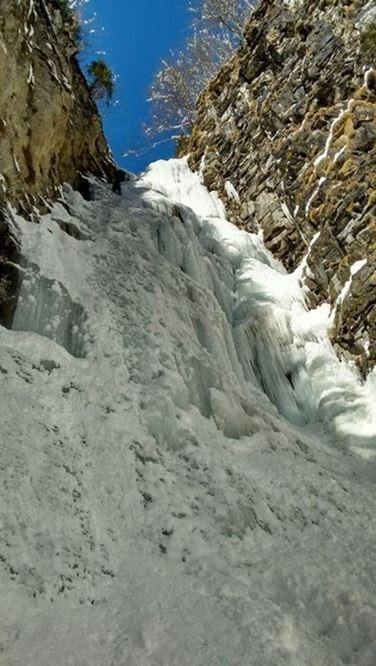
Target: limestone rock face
287	134
50	129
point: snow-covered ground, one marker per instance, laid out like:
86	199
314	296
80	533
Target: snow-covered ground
186	469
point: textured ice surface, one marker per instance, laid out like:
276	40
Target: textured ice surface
187	489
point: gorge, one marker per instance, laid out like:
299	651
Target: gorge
188	430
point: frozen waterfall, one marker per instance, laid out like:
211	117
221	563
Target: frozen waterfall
283	349
187	468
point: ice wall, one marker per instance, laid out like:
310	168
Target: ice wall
173	489
283	348
45	307
247	316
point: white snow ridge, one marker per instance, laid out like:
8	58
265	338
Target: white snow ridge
187	469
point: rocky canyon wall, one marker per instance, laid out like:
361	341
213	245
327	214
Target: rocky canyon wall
50	128
287	134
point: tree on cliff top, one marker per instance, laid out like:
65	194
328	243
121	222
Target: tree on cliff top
180	80
217	31
101	80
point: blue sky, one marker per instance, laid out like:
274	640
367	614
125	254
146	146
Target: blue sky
135	35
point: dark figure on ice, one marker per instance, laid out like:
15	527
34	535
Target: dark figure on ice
120	177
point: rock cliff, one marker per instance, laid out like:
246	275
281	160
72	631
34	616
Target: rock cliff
50	129
287	134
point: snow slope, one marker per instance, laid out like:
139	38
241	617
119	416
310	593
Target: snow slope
186	468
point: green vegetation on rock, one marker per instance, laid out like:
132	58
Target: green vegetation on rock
66	11
368	43
70	19
101	80
181	145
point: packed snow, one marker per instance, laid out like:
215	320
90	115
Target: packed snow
187	468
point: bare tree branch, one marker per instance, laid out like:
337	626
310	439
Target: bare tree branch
229	15
217	31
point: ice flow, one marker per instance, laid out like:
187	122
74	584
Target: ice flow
186	467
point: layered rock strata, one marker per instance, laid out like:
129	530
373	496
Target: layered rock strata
287	134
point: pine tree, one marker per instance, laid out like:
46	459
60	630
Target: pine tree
101	80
